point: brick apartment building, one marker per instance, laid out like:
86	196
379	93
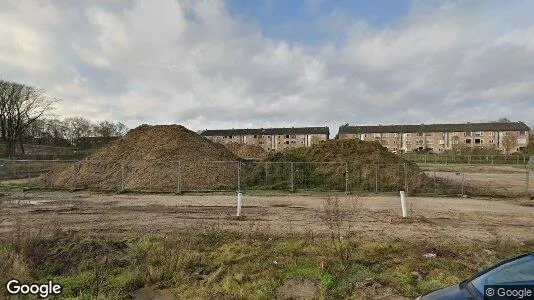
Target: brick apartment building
270	139
437	138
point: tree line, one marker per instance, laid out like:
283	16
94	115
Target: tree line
72	129
25	117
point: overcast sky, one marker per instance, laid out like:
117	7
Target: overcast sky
270	63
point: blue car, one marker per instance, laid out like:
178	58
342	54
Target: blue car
518	271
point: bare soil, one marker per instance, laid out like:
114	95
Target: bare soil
374	216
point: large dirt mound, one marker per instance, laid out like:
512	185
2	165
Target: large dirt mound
162	157
247	151
342	164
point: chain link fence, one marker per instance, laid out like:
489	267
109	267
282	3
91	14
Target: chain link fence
467	159
211	176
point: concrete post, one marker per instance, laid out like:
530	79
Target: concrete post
404	204
239	203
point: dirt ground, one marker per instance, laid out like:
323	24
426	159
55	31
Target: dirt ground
374	216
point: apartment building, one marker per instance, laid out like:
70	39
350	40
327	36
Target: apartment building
270	139
437	138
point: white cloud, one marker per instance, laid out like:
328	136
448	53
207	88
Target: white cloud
192	63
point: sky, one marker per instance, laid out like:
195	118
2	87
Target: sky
275	63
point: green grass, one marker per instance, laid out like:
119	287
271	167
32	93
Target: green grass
212	263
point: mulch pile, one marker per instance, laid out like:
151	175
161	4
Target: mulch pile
362	158
154	158
247	151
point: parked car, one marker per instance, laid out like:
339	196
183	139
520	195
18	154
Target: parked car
516	271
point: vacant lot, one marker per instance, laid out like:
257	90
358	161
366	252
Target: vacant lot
324	246
462	218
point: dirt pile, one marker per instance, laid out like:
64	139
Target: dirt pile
156	158
341	164
247	151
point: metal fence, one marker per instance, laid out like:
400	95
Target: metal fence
467	159
209	176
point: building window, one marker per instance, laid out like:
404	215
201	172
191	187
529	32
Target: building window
287	142
479	133
468	141
408	135
478	141
491	141
492	133
521	132
419	134
377	135
430	134
394	142
395	134
395	148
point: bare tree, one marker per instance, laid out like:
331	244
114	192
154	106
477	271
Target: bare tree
78	127
20	106
509	141
106	129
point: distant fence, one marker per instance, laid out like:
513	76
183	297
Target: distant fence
209	176
467	159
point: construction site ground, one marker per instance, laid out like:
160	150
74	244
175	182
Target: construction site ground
459	218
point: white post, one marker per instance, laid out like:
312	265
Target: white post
239	203
404	204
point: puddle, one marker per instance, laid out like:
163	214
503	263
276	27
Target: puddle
24	202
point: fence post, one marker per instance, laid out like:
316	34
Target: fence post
376	178
435	182
29	174
346	178
53	171
527	179
463	178
405	179
122	179
292	178
75	176
238	176
179	179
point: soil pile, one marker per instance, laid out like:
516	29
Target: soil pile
247	151
359	165
155	158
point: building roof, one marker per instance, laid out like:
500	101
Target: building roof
461	127
267	131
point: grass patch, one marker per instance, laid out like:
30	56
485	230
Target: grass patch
223	264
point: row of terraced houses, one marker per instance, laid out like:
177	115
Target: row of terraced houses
435	138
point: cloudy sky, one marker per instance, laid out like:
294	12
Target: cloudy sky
241	63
